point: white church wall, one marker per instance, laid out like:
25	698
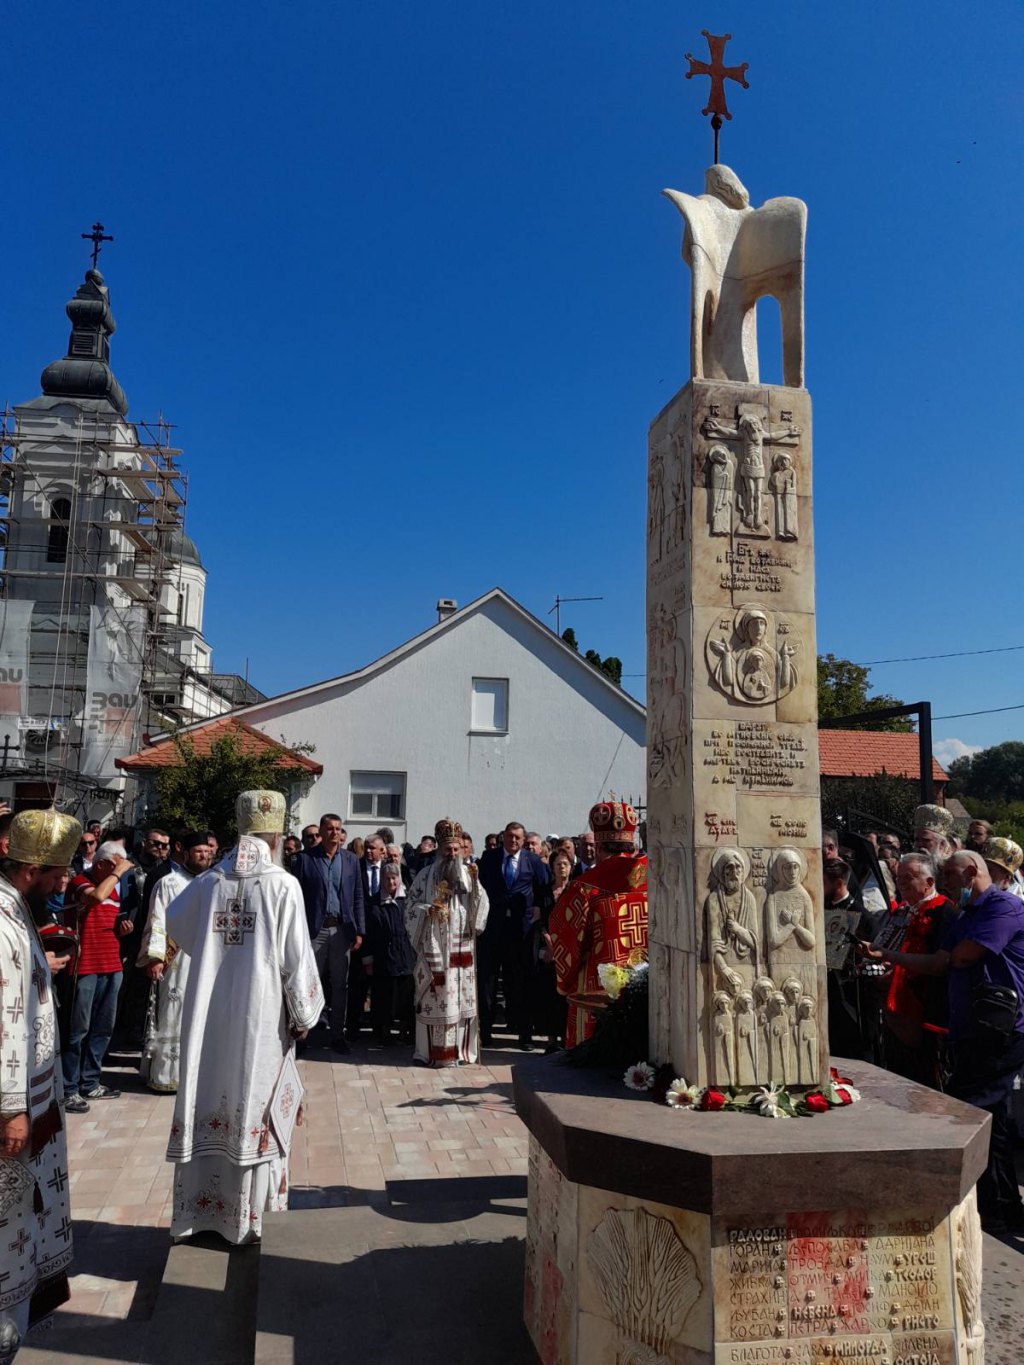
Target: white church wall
570	738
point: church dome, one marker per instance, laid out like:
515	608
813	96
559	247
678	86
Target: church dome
85	371
183	548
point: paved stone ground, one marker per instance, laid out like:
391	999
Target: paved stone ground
371	1119
383	1139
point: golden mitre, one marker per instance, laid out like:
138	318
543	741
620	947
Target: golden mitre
45	838
260	812
447	829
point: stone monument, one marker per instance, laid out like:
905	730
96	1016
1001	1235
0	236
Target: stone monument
665	1237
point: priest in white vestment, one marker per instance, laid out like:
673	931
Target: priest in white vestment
446	908
253	989
35	1245
167	967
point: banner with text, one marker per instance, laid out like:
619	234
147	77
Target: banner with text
113	688
15	633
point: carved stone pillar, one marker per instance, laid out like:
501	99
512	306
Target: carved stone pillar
737	960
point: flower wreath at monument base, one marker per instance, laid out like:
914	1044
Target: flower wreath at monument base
620	1032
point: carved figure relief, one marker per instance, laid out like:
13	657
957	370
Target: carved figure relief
737	255
968	1277
752	432
782	486
668	674
677	518
751	658
718	480
806	1043
656	505
788	912
780	1052
665	760
723	1038
647	1277
730	913
746	1039
764	989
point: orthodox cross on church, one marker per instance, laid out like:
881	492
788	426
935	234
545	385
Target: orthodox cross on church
96	236
719	73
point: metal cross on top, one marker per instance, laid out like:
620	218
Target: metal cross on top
719	73
96	236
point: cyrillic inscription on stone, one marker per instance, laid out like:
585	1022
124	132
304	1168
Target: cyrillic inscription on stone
828	1276
933	1348
755	755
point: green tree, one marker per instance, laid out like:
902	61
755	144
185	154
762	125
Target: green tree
610	667
843	691
995	774
200	790
883	798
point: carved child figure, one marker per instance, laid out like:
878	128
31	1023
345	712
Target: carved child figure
807	1043
780	1052
723	1035
746	1039
719	485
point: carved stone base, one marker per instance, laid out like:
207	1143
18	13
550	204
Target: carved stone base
665	1238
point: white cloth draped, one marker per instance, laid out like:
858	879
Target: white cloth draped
35	1246
161	1048
442	924
252	975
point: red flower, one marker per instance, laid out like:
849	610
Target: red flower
817	1103
712	1099
839	1080
844	1095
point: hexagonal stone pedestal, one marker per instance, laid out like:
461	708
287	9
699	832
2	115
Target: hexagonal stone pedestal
658	1237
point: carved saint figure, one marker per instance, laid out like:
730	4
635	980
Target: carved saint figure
788	911
752	433
731	918
746	1039
667	675
752	669
780	1052
782	486
718	478
723	1036
677	522
656	505
764	988
806	1042
793	990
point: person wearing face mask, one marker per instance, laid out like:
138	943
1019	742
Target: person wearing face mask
983	956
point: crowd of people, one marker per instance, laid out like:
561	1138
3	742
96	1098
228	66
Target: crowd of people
211	964
926	958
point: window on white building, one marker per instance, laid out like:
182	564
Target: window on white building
489	709
60	531
377	796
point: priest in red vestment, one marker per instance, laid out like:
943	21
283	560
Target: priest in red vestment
601	917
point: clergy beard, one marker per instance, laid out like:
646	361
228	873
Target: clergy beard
450	870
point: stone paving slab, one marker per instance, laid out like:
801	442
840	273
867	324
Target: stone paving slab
385	1140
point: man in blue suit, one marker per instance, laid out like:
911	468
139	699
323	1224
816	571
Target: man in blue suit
332	887
514	879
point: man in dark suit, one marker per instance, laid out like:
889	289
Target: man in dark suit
332	888
587	854
514	879
371	870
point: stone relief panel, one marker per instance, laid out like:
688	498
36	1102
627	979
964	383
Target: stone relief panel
752	656
648	1279
667	673
759	757
718	475
656	504
732	936
789	913
752	433
967	1253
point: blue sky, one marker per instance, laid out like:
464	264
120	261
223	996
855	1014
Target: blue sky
402	276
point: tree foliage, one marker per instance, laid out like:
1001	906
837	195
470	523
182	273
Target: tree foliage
994	774
611	667
882	800
843	691
200	791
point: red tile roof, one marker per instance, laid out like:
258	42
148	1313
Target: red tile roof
863	753
162	753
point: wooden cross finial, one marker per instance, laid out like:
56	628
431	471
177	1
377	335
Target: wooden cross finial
719	73
96	236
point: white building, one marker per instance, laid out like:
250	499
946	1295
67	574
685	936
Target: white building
488	716
93	546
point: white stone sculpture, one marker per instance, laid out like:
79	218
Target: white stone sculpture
788	911
647	1277
719	484
780	1050
782	486
746	1039
747	666
968	1277
731	917
656	507
724	1036
807	1061
752	432
737	255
